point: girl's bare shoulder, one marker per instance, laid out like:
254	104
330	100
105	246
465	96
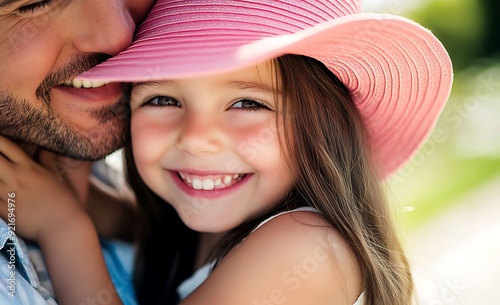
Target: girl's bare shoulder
295	258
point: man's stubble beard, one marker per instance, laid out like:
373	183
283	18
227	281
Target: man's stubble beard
44	128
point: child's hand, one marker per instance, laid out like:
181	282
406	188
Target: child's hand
41	203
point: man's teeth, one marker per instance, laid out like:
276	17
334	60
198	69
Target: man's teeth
209	184
75	83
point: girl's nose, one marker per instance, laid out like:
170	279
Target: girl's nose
199	135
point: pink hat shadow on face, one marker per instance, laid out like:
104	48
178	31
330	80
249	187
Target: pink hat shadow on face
398	73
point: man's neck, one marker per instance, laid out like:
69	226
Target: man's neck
75	172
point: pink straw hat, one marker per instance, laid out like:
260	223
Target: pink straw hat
398	74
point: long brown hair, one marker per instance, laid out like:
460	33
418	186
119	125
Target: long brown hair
327	144
167	248
338	175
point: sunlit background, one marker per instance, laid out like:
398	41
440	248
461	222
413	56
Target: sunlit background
448	195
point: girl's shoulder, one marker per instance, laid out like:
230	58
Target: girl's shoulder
293	258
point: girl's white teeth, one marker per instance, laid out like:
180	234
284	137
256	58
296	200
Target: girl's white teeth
208	184
75	83
197	184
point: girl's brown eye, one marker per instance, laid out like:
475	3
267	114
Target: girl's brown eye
162	101
248	104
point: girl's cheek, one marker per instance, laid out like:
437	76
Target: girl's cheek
144	134
153	133
145	149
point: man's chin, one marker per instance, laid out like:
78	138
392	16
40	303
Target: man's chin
91	148
68	142
83	134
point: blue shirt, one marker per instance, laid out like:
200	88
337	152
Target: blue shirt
19	282
24	279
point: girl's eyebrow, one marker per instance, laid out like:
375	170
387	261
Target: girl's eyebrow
240	85
256	86
150	85
144	85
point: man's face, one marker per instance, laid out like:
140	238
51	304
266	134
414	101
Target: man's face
44	44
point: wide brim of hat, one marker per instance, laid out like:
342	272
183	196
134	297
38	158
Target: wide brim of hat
398	73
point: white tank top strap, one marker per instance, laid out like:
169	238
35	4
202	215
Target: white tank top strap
360	300
190	284
301	209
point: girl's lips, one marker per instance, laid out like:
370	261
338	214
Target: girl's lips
214	193
107	94
210	182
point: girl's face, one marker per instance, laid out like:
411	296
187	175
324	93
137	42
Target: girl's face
210	147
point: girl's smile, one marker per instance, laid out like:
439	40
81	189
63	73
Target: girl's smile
210	146
208	186
210	182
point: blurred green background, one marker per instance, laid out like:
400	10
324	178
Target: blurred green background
464	151
447	197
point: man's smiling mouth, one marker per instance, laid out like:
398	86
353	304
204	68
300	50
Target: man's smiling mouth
74	83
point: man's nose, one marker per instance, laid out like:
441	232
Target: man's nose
104	26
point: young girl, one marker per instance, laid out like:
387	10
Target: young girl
261	131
